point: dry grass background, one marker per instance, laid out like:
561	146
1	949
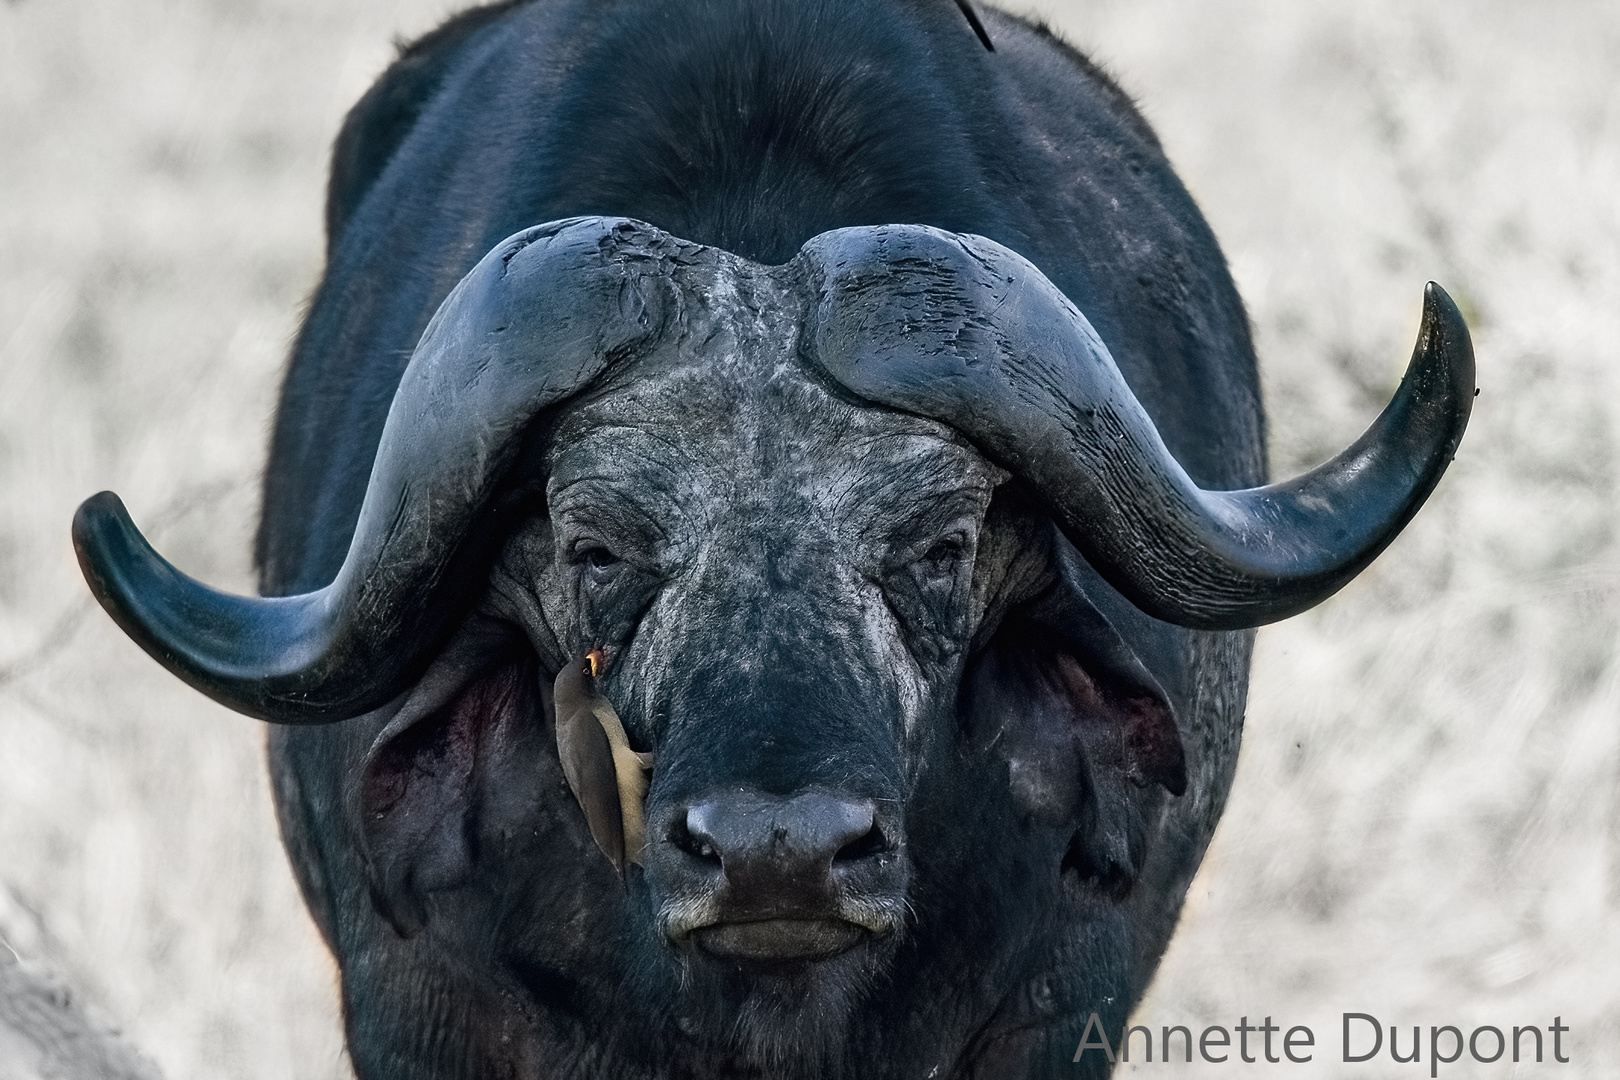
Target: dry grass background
1425	824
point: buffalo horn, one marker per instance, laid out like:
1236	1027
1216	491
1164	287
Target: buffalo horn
539	318
967	332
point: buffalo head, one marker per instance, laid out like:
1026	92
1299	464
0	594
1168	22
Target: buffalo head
813	576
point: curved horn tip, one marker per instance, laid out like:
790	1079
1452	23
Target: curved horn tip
112	551
98	506
98	520
139	589
1442	318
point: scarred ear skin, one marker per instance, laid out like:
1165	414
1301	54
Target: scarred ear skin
414	795
438	760
1087	735
417	792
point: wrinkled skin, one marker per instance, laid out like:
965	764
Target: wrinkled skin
800	596
810	608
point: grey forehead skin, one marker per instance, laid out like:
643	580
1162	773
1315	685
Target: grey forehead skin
720	452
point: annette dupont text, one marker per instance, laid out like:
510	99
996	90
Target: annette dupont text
1362	1038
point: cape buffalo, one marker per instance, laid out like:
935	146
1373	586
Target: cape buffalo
759	548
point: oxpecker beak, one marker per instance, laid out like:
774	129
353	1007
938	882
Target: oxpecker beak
607	777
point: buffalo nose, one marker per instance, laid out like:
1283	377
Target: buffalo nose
750	877
769	845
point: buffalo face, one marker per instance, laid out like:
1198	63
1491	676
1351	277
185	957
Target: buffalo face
785	585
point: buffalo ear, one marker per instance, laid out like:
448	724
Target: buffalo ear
1088	737
416	802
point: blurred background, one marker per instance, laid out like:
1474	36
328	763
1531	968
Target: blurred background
1426	819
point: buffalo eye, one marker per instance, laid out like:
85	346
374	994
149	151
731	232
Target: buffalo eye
601	565
942	559
925	591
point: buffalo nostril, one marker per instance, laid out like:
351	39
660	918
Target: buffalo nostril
697	845
870	843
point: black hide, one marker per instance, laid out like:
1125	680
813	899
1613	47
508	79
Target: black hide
1040	827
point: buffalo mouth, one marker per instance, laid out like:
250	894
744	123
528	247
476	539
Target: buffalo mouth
779	940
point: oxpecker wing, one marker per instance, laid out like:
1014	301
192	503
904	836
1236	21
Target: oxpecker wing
607	776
